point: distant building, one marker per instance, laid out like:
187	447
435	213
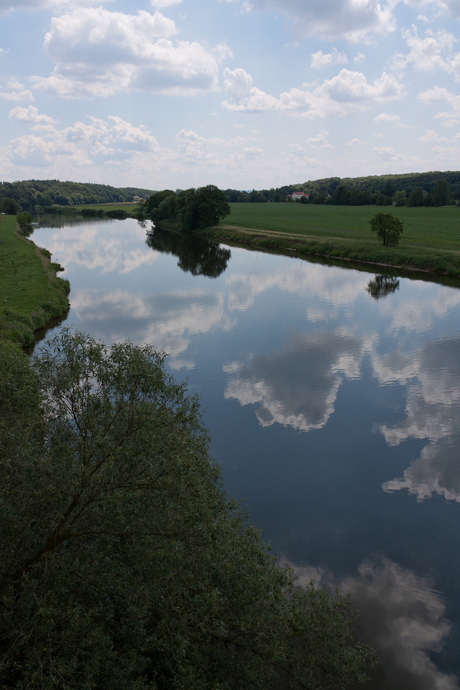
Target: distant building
297	195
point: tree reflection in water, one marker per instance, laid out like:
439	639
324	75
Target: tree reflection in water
382	286
196	255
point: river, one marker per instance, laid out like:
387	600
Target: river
332	397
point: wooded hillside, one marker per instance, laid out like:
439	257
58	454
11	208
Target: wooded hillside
31	193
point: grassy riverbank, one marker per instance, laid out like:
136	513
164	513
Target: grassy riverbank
30	292
430	241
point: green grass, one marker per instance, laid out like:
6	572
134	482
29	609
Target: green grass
427	228
30	292
430	241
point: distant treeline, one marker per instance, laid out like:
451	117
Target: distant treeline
410	189
35	195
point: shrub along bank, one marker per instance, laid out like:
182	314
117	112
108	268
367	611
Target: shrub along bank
31	294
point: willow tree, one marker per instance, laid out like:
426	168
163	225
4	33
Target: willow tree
124	566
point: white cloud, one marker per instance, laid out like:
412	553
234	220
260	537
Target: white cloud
451	7
441	95
15	91
11	5
395	119
30	114
98	141
348	92
319	142
359	57
356	142
320	59
385	117
32	150
159	4
329	19
432	136
100	53
433	52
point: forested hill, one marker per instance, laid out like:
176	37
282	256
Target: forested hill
31	193
361	190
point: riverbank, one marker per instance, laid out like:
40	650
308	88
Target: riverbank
430	243
31	294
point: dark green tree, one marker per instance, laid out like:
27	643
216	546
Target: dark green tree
123	565
201	208
9	206
415	197
154	201
440	193
387	227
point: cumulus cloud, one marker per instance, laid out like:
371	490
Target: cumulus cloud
15	91
395	119
159	4
320	59
440	94
433	52
356	142
33	151
330	19
451	7
319	142
348	92
98	141
100	53
30	114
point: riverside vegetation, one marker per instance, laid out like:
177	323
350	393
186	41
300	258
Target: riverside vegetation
30	292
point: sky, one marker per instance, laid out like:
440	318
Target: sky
238	93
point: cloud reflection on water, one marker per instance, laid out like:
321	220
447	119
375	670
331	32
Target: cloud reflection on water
432	377
104	245
402	616
166	320
298	386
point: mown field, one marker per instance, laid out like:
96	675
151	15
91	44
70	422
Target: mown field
424	228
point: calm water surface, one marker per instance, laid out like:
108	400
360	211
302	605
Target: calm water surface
333	401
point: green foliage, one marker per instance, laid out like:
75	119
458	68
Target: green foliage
416	197
24	220
123	565
387	227
191	209
440	193
9	206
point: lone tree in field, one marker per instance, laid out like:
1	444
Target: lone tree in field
123	565
387	227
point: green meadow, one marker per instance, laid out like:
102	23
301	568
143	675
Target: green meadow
430	240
